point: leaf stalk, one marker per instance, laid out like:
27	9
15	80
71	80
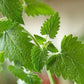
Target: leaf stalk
34	40
50	77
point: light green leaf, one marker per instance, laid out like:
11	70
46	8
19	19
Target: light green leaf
27	77
39	57
35	7
51	47
40	39
51	26
70	62
1	60
16	44
12	9
1	57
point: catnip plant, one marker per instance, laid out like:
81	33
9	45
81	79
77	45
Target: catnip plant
31	53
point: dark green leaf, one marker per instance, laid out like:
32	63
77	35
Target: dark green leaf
70	62
51	26
52	48
12	9
39	57
27	77
16	44
35	7
39	39
5	25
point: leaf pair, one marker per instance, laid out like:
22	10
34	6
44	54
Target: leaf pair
70	61
13	9
40	56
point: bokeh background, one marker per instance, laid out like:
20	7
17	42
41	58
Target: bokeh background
72	22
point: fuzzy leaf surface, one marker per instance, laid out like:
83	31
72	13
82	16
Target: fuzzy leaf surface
51	26
27	77
12	9
16	44
35	7
39	57
70	62
39	39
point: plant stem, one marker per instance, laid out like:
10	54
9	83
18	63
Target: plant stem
50	77
34	40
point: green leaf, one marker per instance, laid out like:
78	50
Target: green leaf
39	57
39	39
27	77
16	44
12	9
1	57
1	60
70	62
51	26
35	7
52	48
4	25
